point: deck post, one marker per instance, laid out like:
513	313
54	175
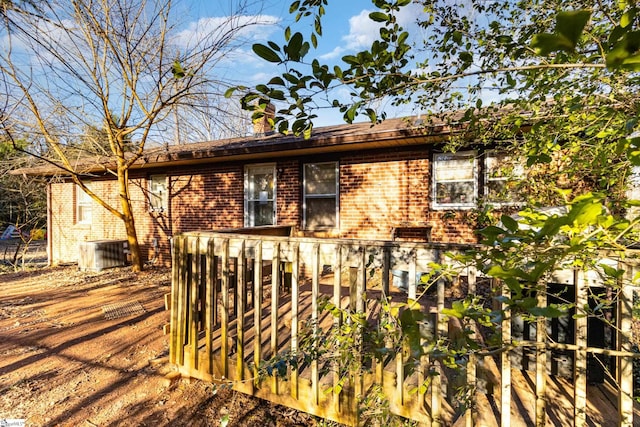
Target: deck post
413	282
176	353
386	270
469	414
337	301
210	302
436	380
257	310
315	293
224	315
505	358
241	299
194	317
625	364
361	307
541	357
580	367
295	308
275	303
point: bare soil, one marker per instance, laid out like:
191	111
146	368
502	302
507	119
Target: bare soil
67	358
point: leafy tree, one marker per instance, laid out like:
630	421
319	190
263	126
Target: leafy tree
563	81
563	71
117	70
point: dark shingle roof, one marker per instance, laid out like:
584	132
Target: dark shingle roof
389	133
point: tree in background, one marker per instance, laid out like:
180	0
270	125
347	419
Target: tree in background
22	200
118	70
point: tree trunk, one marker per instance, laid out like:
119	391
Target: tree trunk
129	221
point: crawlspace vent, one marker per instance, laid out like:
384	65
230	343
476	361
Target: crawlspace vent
122	309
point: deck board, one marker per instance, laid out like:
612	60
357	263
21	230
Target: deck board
601	407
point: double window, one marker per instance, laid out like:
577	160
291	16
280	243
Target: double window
501	174
456	179
259	195
83	204
320	208
158	195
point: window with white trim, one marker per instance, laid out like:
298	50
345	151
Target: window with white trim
158	195
633	192
455	180
320	207
259	195
84	204
501	174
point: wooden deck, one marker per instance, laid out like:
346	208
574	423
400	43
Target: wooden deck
238	301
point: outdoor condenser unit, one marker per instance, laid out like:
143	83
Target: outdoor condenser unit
96	255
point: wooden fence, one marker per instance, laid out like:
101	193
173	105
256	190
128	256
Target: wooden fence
238	300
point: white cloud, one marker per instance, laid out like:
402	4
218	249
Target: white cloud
335	53
363	31
243	28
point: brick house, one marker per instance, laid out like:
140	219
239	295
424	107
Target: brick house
388	181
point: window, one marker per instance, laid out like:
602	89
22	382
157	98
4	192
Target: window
158	200
455	177
320	195
633	192
83	205
501	174
259	195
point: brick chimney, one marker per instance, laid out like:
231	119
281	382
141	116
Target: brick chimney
261	127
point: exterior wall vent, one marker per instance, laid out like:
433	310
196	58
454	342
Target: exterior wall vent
96	255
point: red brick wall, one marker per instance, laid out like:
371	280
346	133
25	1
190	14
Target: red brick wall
288	193
378	191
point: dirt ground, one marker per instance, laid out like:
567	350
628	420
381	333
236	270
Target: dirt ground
87	349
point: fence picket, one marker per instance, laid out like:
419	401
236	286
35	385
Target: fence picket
194	315
275	303
625	364
241	298
176	289
337	301
295	309
505	359
210	303
224	312
469	414
580	367
541	359
257	311
201	260
315	293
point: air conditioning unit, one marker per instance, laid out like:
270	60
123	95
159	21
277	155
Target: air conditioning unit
96	255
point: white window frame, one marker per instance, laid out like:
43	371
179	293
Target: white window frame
249	170
633	186
440	158
518	173
633	192
335	195
158	202
84	205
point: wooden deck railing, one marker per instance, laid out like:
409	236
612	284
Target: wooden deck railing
238	300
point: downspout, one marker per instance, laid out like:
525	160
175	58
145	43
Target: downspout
49	227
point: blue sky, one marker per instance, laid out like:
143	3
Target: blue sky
346	29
